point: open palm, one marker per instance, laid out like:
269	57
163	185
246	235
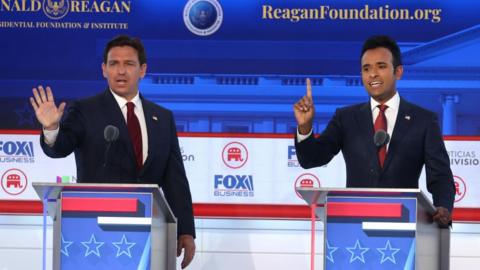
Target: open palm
47	113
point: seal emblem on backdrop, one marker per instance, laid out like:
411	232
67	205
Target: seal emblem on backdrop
203	17
56	9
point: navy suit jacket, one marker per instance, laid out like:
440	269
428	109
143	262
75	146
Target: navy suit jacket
416	141
81	132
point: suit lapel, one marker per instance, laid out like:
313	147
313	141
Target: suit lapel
365	127
401	126
151	121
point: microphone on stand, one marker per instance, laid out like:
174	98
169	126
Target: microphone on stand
381	138
110	133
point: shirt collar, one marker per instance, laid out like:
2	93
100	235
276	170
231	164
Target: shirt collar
122	102
392	103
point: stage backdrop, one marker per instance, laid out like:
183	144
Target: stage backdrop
227	169
238	66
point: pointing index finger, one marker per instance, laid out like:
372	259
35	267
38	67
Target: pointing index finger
309	88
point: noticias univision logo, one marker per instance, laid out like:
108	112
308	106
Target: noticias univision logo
233	186
16	152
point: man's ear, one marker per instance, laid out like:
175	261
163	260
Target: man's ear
143	70
104	72
398	71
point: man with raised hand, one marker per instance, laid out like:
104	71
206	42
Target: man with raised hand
120	137
362	133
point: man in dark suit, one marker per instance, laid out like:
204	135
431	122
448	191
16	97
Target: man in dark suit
416	139
146	150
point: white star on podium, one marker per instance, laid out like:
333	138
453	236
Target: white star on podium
126	247
357	252
65	245
331	250
92	246
389	250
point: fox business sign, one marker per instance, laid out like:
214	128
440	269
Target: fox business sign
57	9
233	186
16	152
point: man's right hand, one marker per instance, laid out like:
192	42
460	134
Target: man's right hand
46	111
304	111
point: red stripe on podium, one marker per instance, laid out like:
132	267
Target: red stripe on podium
364	210
123	205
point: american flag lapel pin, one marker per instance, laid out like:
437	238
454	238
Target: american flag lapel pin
154	118
407	117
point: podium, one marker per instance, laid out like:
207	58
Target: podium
377	229
109	226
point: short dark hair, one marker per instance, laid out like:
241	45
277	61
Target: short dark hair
124	40
384	42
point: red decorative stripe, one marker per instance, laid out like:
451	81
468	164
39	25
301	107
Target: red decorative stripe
20	131
461	138
256	211
123	205
364	210
236	135
215	210
21	207
232	135
466	215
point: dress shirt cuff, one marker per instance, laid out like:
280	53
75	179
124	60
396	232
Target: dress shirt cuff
301	137
50	136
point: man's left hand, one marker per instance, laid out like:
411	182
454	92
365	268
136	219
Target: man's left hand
442	216
186	242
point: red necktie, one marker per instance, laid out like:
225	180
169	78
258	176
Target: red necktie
135	134
381	123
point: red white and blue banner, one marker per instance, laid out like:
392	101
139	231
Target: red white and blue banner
253	169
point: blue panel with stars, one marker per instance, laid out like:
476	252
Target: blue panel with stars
86	244
349	246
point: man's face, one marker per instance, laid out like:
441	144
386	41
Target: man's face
123	71
378	75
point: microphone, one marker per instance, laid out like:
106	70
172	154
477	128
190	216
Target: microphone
381	138
110	133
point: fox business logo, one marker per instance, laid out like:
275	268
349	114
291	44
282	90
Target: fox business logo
57	9
233	186
292	157
16	152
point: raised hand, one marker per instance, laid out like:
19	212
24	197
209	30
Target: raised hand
305	111
47	113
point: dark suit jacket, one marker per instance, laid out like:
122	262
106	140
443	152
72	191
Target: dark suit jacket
81	131
416	141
